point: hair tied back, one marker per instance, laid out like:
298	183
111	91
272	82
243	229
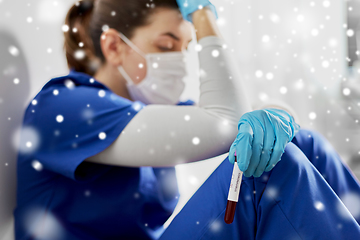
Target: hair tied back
84	6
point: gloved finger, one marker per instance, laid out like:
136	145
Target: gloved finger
244	146
257	146
269	140
232	152
278	150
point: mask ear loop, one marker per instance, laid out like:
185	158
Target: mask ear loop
133	46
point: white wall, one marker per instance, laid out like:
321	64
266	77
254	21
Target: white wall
33	64
37	26
14	69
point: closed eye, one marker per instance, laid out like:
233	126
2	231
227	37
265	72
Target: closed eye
168	49
164	49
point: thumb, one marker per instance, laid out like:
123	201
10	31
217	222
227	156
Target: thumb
232	152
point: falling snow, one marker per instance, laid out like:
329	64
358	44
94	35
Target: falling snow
312	115
215	53
69	84
319	206
195	140
102	135
346	91
36	165
101	93
296	57
14	51
43	224
79	54
59	118
198	47
351	201
258	73
65	28
269	76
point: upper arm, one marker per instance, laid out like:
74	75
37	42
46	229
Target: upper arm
67	128
166	135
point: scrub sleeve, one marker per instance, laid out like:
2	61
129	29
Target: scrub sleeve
75	122
293	201
72	118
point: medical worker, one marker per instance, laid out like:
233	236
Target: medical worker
99	145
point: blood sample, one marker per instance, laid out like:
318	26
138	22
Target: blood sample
233	195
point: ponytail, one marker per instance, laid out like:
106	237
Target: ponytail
78	45
84	24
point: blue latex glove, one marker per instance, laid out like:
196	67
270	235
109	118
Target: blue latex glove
187	7
260	143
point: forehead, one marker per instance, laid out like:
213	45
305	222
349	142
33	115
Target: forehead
165	20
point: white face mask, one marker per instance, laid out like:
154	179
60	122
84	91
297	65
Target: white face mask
163	83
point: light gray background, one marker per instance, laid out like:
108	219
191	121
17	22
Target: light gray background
306	53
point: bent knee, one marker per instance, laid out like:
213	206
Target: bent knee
313	144
308	137
293	161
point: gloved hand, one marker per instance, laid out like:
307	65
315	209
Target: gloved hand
187	7
260	143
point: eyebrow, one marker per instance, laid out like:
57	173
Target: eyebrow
173	36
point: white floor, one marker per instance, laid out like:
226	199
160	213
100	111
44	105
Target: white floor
190	177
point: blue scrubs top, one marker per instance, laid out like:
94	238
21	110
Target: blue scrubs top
61	196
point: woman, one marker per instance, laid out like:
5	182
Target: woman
99	145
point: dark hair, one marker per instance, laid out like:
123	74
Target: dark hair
85	21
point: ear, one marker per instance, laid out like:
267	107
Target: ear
112	47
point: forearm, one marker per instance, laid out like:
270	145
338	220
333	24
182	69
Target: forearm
221	85
222	91
168	138
205	23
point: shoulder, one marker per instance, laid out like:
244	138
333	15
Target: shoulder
77	90
77	97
